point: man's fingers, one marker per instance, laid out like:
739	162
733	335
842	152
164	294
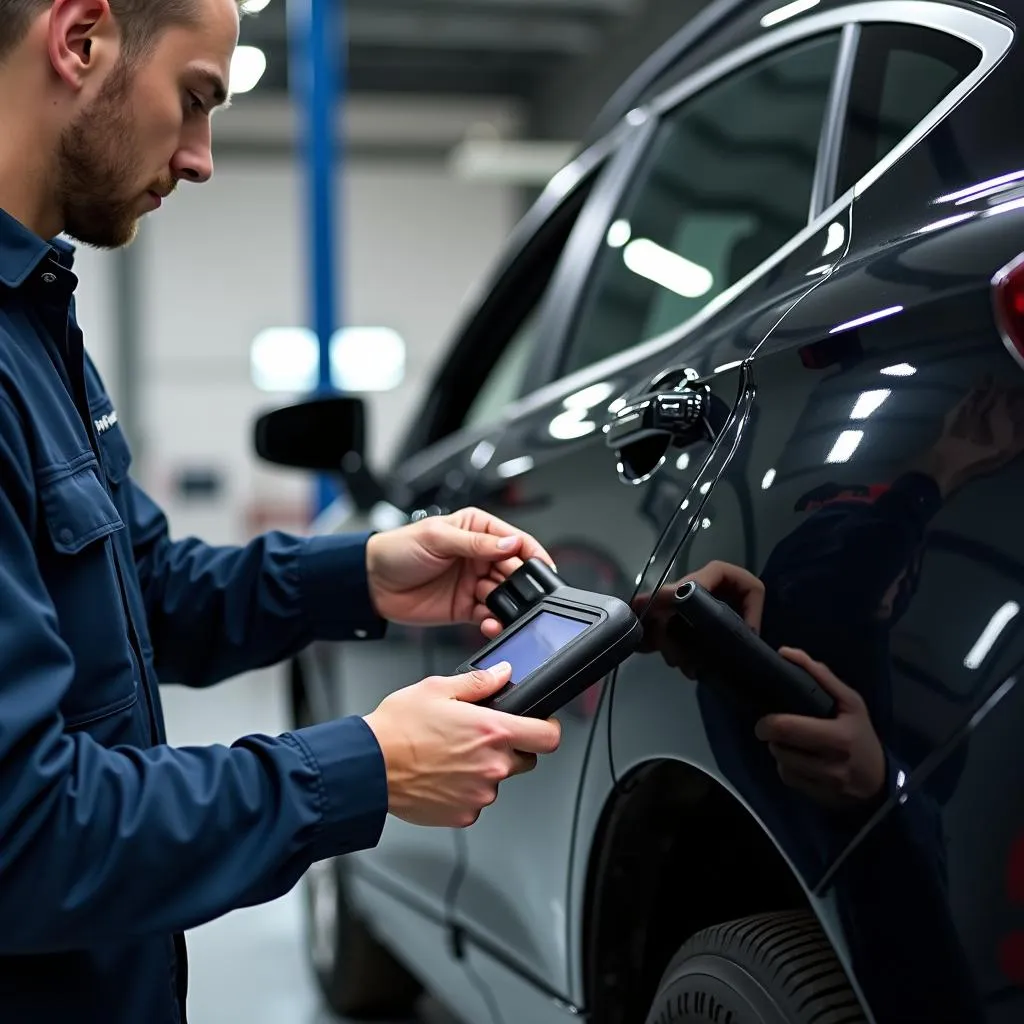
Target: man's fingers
523	763
533	736
812	735
736	586
844	695
800	763
516	542
491	627
753	607
450	541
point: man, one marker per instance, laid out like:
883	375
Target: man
112	843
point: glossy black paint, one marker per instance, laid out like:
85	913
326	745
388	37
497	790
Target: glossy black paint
871	476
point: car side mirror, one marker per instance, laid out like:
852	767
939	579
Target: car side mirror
323	434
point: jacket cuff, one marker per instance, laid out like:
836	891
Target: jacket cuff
334	589
353	785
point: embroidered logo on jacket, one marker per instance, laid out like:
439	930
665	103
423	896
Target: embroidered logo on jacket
104	423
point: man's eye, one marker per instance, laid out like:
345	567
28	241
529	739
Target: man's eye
195	102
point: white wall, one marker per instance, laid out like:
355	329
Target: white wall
223	260
95	301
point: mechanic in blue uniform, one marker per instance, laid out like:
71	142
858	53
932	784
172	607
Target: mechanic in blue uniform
113	843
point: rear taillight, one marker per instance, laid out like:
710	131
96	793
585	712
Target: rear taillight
1008	300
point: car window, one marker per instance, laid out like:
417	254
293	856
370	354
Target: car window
902	72
727	181
504	383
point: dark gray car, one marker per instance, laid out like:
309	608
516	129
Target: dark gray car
809	214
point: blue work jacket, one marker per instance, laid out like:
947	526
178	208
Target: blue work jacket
113	843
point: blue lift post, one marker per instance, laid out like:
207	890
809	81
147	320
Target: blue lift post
316	83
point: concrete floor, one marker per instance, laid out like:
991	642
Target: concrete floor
249	966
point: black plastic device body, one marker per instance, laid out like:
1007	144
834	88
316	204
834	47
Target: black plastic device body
730	656
558	639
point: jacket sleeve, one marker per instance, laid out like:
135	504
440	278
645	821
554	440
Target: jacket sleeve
101	844
215	612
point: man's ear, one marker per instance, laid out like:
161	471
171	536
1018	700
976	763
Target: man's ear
82	38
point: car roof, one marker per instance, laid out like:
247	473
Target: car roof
720	26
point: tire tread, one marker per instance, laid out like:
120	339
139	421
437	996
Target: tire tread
789	953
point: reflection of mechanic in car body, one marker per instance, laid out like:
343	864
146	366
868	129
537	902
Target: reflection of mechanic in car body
835	587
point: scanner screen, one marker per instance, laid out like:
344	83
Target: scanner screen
528	648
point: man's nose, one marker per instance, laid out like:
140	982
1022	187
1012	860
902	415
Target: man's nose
194	164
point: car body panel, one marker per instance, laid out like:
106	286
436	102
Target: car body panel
907	878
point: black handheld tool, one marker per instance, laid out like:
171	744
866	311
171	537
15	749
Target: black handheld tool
732	657
558	640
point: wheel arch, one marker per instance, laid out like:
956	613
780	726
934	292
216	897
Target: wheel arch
666	823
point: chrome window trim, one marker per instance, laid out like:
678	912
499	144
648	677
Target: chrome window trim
827	170
991	37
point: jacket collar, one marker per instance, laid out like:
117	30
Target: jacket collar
21	251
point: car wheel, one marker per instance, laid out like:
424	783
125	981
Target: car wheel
357	976
769	969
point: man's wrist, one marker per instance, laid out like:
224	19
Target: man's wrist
335	589
353	784
372	546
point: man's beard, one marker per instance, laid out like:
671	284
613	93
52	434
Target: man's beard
97	166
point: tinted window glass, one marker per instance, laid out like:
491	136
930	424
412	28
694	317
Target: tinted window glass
727	181
504	383
902	73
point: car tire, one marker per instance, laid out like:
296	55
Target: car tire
770	969
356	975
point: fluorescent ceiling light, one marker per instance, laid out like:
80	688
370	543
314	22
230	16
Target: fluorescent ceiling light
899	370
510	162
254	6
284	359
482	454
946	222
515	467
836	237
247	67
769	479
367	359
974	191
868	403
868	318
672	271
991	633
570	425
845	446
362	359
781	14
619	234
590	397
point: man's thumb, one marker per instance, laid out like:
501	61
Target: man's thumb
480	684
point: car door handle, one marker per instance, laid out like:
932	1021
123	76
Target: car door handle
680	416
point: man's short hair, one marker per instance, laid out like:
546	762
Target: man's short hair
141	21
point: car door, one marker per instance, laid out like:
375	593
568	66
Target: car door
482	372
702	244
876	494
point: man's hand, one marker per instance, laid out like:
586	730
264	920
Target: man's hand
440	570
837	762
729	583
981	434
445	758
